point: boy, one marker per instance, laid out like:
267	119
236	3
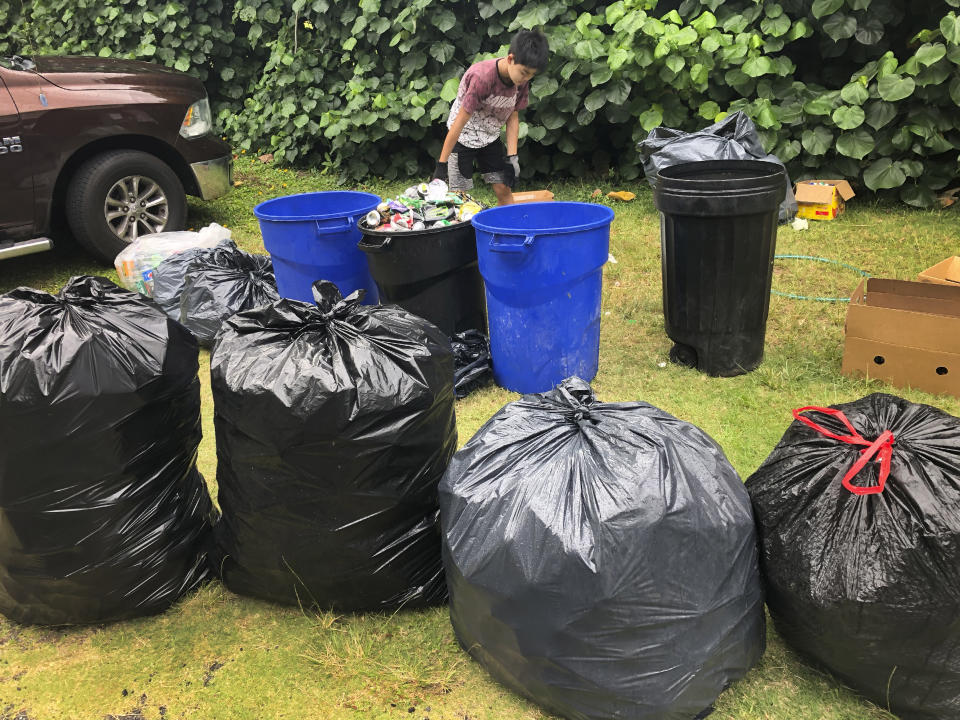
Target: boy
491	95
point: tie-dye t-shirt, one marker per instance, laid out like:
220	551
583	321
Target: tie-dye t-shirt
489	101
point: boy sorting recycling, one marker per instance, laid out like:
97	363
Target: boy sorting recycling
492	93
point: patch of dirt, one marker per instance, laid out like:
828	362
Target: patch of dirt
210	671
8	714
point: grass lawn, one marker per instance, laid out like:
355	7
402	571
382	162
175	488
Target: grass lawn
217	655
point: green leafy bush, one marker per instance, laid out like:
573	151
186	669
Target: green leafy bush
864	89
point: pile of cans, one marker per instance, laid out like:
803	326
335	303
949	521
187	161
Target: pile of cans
424	207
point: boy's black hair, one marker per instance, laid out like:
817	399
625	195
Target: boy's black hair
529	47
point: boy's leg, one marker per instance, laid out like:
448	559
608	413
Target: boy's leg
496	171
504	194
460	168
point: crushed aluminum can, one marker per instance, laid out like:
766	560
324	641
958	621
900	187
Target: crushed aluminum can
372	218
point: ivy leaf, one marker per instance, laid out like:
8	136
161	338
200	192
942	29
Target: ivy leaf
595	100
704	23
911	168
787	151
618	58
822	105
950	27
227	74
618	92
685	37
869	31
444	20
757	66
854	93
708	110
801	29
675	63
449	90
817	141
601	75
856	144
895	87
775	26
699	74
349	44
149	17
879	113
503	6
929	53
614	12
182	64
588	49
536	132
442	52
651	118
840	27
883	175
773	10
544	86
585	117
710	44
918	195
858	4
955	90
825	7
848	117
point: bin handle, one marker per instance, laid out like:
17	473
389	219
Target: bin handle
382	247
350	223
511	247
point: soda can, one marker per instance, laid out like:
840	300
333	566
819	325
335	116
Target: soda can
373	219
418	225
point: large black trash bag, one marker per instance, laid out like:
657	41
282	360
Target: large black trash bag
473	366
103	515
202	287
334	425
601	558
865	581
733	138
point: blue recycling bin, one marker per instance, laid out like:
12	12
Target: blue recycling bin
314	236
542	265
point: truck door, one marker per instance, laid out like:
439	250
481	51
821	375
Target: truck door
16	177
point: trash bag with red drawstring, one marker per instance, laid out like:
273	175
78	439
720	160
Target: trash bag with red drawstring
858	509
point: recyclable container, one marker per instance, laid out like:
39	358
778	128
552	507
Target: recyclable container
718	234
432	273
542	265
313	236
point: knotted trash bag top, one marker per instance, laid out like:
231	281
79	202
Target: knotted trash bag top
601	558
858	509
103	514
202	287
334	424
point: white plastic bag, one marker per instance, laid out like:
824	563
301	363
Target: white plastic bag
136	262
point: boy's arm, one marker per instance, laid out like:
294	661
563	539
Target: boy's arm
453	135
513	132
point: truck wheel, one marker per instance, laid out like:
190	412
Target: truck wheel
117	196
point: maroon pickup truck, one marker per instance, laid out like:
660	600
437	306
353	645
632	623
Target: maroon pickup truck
111	146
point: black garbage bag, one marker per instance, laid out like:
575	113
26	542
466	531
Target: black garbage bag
733	138
202	287
858	509
103	515
334	425
601	558
473	366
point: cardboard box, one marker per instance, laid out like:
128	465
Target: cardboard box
822	199
944	273
532	196
904	332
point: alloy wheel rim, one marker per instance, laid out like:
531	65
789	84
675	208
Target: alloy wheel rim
136	205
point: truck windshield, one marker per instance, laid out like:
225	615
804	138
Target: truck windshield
15	62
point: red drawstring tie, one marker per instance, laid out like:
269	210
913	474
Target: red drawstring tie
882	447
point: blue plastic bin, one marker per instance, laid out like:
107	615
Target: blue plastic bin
542	264
314	236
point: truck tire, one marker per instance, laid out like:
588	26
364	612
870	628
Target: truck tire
117	196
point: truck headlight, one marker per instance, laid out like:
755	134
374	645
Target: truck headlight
198	120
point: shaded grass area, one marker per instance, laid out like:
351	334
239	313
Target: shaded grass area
218	655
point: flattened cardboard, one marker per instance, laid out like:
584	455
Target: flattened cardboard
904	332
946	272
533	196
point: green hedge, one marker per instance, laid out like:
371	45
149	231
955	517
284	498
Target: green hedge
863	89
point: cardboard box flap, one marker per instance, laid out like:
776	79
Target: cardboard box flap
843	187
819	194
910	288
947	271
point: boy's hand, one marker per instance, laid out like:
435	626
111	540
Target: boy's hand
441	171
514	162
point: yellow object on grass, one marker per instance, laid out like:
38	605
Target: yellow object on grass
624	195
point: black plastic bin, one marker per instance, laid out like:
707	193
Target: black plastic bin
432	273
718	236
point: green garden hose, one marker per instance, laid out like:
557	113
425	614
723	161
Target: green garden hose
794	296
